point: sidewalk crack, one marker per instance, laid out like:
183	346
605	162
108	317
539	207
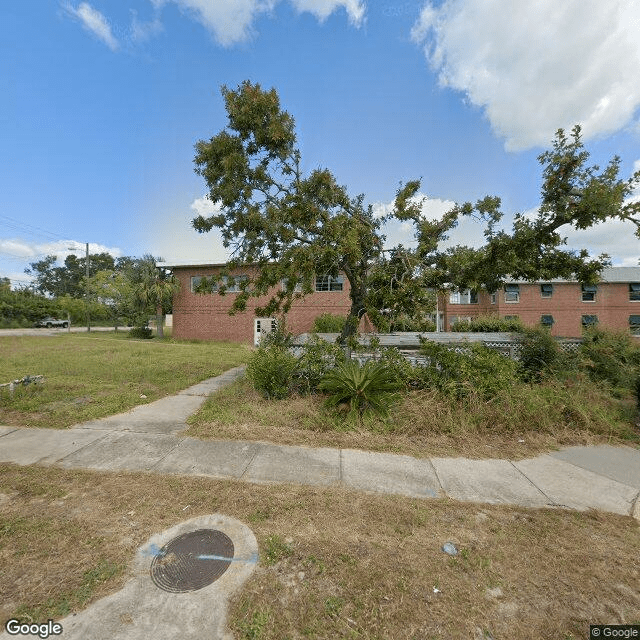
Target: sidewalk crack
535	486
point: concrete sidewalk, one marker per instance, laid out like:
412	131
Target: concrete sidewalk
145	439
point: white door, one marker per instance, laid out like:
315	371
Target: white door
261	327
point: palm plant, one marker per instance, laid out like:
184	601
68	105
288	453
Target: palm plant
155	289
366	389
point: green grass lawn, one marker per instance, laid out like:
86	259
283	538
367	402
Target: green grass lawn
89	376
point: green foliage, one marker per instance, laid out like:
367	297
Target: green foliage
317	359
295	226
70	278
280	337
270	370
539	353
489	324
328	323
144	333
475	369
611	357
366	389
408	375
24	307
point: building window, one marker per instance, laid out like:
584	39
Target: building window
512	317
492	298
212	286
634	291
546	290
634	325
296	289
589	321
589	292
468	296
512	293
329	283
546	320
234	283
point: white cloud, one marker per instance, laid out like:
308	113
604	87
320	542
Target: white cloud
141	31
537	66
229	21
19	248
322	9
173	237
92	20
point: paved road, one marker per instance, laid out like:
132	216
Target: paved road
49	332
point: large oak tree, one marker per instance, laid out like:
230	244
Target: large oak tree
295	225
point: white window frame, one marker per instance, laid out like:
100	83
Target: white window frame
511	293
463	297
333	283
634	326
195	281
235	287
549	292
296	289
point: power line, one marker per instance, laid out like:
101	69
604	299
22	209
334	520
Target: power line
24	227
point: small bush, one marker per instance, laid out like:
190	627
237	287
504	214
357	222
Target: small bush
328	323
144	333
366	389
489	324
409	375
318	357
610	357
270	370
458	373
539	353
280	338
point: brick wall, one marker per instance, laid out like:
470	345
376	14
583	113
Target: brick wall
611	306
205	316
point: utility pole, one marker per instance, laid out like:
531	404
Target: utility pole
86	292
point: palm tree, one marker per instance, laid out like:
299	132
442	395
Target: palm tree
155	289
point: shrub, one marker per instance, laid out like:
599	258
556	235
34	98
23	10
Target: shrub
280	337
404	322
366	389
318	357
459	372
409	375
610	357
328	323
490	324
539	353
141	332
270	370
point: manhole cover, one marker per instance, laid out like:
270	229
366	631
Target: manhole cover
192	561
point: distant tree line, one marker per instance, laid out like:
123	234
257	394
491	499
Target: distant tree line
119	291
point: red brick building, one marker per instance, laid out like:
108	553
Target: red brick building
564	306
206	316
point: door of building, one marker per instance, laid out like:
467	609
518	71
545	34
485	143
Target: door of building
261	327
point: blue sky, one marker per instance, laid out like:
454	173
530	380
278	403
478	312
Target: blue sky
103	103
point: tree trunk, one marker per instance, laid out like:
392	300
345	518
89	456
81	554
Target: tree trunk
356	312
